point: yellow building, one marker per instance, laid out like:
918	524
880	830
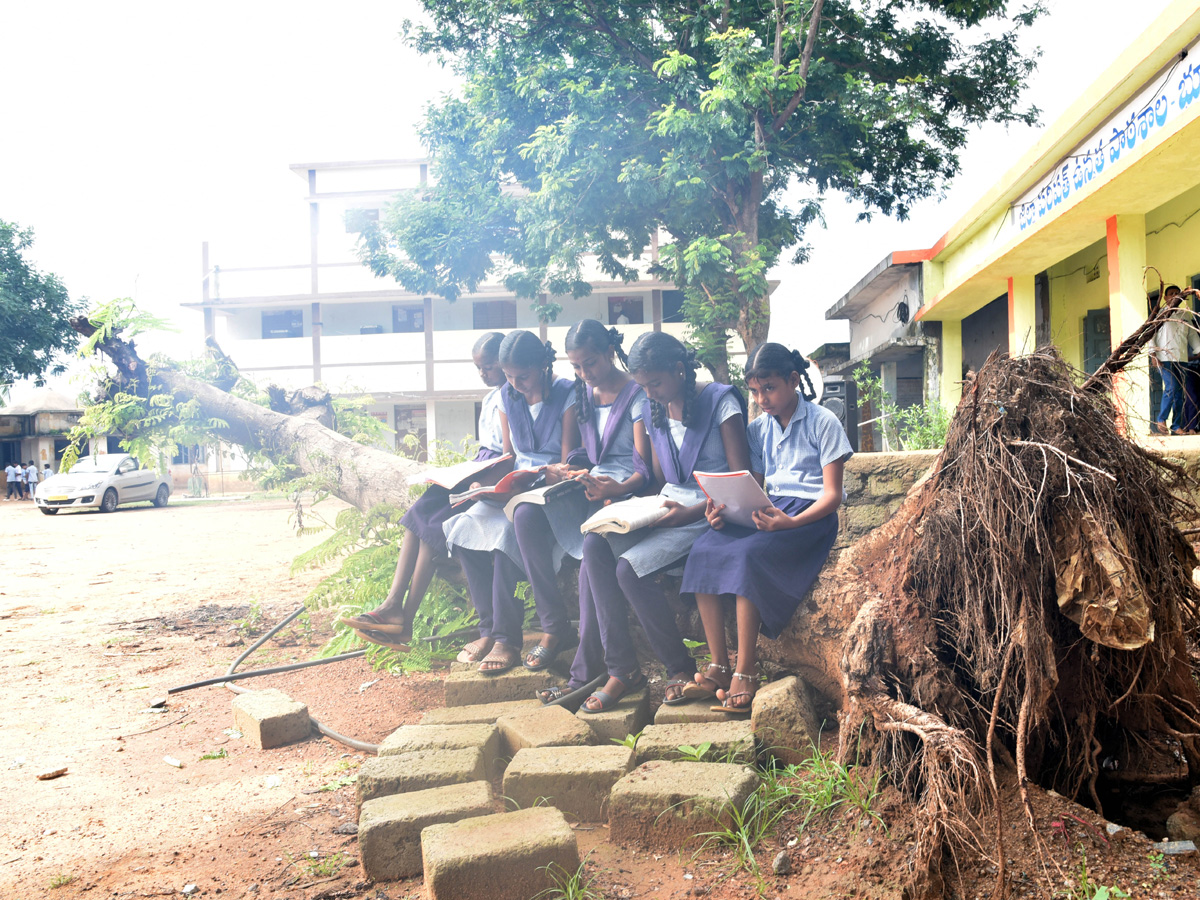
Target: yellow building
1059	248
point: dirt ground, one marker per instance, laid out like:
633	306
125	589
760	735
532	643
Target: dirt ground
101	614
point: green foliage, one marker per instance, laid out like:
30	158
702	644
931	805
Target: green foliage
369	547
62	879
1086	887
740	829
699	753
911	428
219	753
821	785
590	129
36	308
630	740
575	885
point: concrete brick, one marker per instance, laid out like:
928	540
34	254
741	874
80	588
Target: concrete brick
477	713
414	738
389	828
471	688
550	726
629	716
418	771
783	720
270	718
576	780
498	857
691	713
732	739
665	804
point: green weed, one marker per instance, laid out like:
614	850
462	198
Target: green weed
694	754
315	867
575	885
252	624
61	880
1087	889
630	740
822	784
343	781
740	829
215	754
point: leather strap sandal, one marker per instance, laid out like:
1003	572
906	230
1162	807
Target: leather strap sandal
697	691
733	704
608	701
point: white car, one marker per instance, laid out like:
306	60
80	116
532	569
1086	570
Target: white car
102	482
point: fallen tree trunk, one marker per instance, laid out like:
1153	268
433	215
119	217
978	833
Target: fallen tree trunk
362	476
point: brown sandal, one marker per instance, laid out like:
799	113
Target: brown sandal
697	691
370	621
476	650
731	705
507	657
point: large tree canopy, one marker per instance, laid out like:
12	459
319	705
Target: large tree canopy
34	310
590	126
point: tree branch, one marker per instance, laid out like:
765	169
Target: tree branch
622	44
778	54
805	61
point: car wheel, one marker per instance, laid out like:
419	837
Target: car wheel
160	499
109	502
46	511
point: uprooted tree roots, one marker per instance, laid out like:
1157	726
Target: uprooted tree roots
1031	606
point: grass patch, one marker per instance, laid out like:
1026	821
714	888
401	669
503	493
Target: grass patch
62	879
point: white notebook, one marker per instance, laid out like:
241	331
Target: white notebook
739	491
625	516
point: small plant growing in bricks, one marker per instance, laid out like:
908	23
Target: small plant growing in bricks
699	753
630	740
575	885
822	784
740	829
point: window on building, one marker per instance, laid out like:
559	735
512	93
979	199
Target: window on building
357	219
672	306
494	314
286	323
408	319
625	311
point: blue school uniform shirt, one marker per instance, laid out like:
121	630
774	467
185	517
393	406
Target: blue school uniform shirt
491	432
791	459
618	462
712	453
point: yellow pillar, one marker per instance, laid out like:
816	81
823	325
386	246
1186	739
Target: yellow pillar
952	360
1126	238
1022	315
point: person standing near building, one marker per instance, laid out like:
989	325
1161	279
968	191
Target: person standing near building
31	479
14	486
1175	342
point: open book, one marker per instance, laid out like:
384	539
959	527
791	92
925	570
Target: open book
540	496
626	516
739	491
449	476
513	483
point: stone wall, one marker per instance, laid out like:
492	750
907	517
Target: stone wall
876	484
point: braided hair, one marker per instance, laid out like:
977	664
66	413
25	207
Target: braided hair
657	351
592	335
776	359
525	350
488	345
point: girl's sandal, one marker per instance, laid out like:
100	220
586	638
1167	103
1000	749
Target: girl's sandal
678	682
501	658
475	651
370	621
734	704
383	639
697	691
636	682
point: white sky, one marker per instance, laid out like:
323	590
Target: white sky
133	131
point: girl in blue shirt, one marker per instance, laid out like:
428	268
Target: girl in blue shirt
797	451
539	428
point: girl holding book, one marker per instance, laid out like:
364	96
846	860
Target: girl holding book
608	405
691	427
391	623
539	428
797	452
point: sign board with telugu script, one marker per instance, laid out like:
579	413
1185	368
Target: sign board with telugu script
1165	97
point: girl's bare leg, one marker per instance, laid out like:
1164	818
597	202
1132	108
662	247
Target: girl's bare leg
422	576
713	618
744	680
